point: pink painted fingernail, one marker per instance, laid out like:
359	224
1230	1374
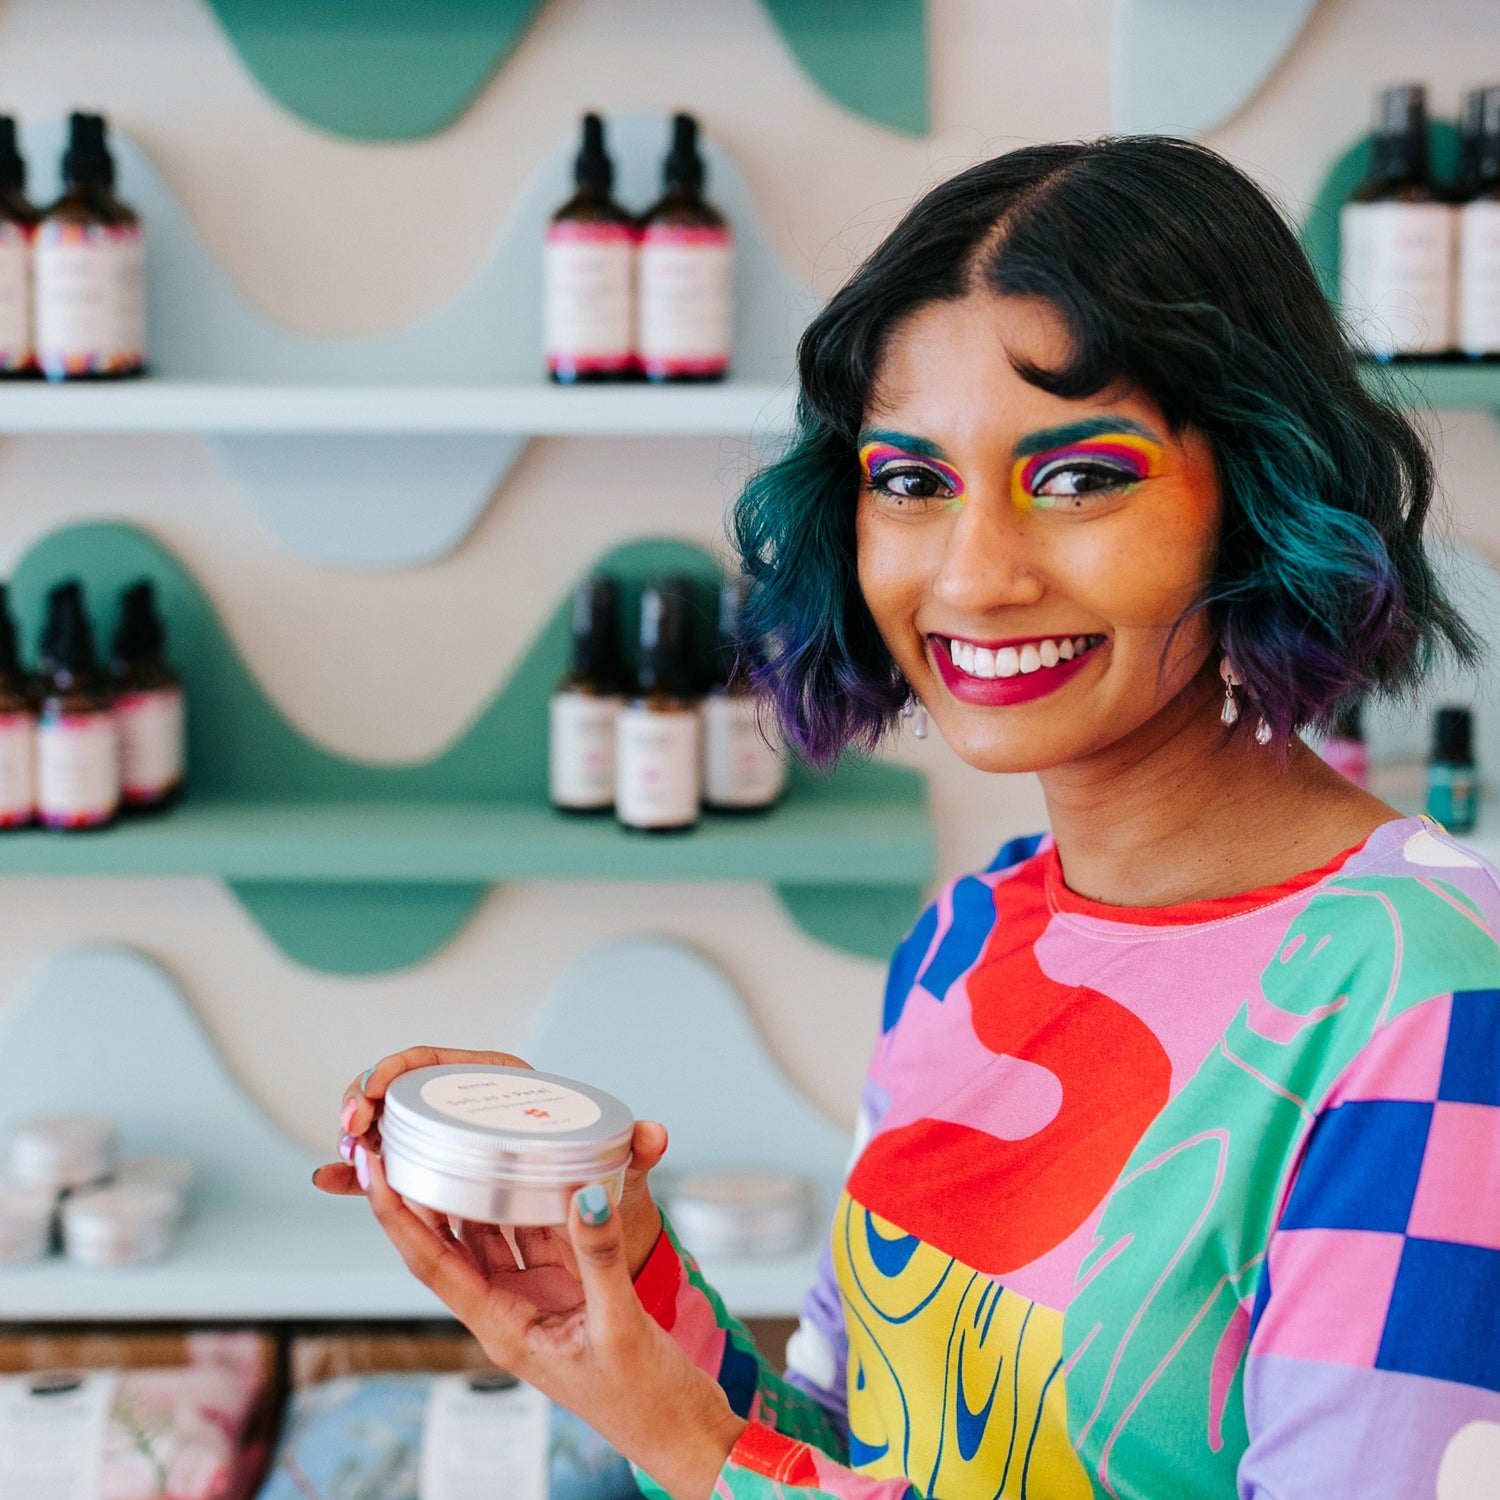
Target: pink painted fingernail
346	1147
348	1114
362	1167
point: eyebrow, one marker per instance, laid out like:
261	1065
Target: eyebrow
1074	432
921	447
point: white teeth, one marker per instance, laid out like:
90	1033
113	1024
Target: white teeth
1006	661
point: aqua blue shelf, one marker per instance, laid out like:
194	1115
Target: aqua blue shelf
104	1029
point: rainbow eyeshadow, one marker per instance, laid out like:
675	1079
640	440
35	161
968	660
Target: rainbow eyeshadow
1135	456
875	457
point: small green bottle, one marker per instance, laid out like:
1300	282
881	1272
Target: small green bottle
1452	777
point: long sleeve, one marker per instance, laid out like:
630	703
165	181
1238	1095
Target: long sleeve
673	1290
1374	1356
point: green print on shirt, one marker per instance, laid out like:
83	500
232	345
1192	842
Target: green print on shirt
1160	1328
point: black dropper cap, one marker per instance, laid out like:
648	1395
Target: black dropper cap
10	656
87	162
1401	134
140	634
666	662
12	167
595	629
683	170
1453	737
1485	171
593	171
68	638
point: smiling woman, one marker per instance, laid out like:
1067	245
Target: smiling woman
1179	1157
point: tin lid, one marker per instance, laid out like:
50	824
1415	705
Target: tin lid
124	1205
65	1150
490	1111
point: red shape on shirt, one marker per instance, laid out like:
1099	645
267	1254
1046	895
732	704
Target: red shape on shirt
997	1205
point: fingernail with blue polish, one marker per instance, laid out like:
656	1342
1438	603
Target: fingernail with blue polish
592	1203
346	1147
364	1079
362	1167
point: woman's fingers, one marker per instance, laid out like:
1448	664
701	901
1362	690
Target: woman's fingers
448	1268
363	1097
594	1227
336	1177
647	1147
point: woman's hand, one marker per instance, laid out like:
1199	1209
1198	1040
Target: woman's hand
360	1126
569	1322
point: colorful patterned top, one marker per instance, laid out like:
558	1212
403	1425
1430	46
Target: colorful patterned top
1157	1204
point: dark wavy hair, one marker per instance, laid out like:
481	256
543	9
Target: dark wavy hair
1174	274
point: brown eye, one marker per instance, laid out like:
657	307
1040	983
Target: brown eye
910	482
1071	479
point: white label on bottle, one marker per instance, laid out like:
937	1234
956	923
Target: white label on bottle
15	296
657	768
590	297
1397	276
518	1106
1479	278
581	749
484	1442
686	300
740	767
90	297
150	743
17	769
52	1439
78	769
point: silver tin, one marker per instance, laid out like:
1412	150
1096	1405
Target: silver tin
501	1145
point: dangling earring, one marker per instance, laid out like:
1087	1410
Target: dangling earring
913	710
1229	715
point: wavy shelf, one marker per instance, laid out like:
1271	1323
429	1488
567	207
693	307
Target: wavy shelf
536	409
821	834
360	868
334	443
105	1030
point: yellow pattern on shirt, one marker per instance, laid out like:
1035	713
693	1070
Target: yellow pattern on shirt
954	1382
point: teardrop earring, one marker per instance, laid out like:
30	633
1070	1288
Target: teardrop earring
914	711
1229	715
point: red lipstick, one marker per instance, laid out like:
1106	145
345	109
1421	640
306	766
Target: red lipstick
998	692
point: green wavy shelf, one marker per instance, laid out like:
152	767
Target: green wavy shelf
392	70
358	868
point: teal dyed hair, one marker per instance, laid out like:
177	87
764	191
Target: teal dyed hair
1178	277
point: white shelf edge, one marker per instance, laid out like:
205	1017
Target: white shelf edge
535	409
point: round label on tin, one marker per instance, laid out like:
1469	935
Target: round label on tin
519	1106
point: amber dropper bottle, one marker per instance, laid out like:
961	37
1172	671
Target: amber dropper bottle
148	705
18	221
90	269
590	257
17	728
743	769
586	704
686	300
78	750
658	757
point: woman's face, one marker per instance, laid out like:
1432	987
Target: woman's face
1026	556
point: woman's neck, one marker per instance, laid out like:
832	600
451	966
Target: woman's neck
1180	811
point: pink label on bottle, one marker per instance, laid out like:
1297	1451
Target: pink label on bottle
589	306
16	351
686	304
150	726
17	769
78	769
90	298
